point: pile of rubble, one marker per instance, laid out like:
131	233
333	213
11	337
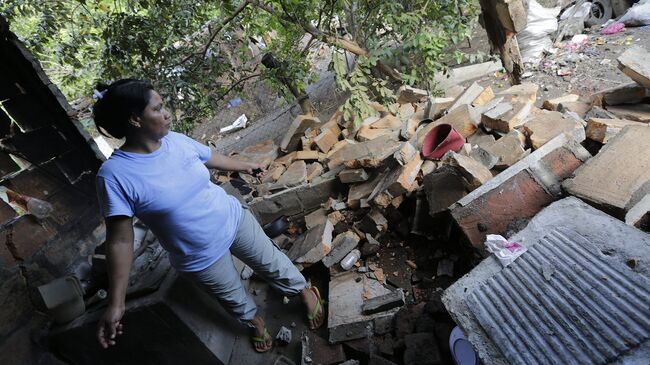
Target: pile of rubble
351	191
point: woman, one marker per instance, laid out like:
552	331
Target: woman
162	178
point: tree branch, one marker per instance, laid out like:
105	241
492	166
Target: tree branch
219	28
236	84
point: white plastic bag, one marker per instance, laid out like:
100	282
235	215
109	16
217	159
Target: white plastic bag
505	251
534	39
637	15
581	12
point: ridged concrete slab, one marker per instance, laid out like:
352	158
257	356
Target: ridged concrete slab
581	297
564	302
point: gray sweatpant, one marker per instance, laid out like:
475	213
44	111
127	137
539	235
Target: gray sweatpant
255	249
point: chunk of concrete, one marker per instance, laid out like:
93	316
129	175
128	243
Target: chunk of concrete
618	177
509	149
545	126
264	152
315	218
317	243
345	320
577	245
444	187
468	96
405	154
408	94
636	112
365	154
301	199
387	122
483	156
341	246
349	176
639	215
474	172
507	115
374	222
518	193
299	125
552	104
634	63
295	175
625	94
602	130
394	299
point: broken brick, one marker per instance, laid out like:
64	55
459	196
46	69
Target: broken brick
341	246
520	191
299	125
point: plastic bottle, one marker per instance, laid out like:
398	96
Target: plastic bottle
349	260
38	208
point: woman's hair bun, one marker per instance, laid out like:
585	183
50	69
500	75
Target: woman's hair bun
101	87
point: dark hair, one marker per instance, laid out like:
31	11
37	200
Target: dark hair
120	101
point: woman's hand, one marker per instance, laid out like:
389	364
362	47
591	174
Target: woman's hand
255	169
109	326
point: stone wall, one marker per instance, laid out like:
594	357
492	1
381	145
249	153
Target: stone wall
46	155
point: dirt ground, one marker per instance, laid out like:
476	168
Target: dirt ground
586	70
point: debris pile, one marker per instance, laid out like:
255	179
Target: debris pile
365	204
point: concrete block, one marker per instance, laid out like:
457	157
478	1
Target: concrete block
387	122
618	177
484	97
299	125
315	218
317	243
639	215
301	199
264	152
394	299
367	133
326	139
518	193
525	91
436	107
444	187
473	171
349	176
567	231
634	63
341	246
405	154
365	154
363	190
544	126
579	107
509	149
345	320
625	94
507	115
314	170
468	96
636	112
483	156
552	104
602	130
374	222
295	174
408	94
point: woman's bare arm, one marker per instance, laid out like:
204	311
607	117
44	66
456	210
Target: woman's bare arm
119	254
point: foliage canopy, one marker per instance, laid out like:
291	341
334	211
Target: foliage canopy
196	51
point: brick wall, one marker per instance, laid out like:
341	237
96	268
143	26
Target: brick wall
44	153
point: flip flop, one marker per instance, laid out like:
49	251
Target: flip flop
262	340
317	309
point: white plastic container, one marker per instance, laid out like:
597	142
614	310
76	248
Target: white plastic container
349	260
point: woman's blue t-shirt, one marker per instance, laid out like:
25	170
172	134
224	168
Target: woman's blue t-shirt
171	192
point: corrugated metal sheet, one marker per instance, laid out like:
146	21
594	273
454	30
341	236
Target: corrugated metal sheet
564	302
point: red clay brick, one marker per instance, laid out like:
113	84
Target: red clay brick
518	197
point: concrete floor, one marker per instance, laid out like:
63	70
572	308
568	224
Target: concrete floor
276	315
